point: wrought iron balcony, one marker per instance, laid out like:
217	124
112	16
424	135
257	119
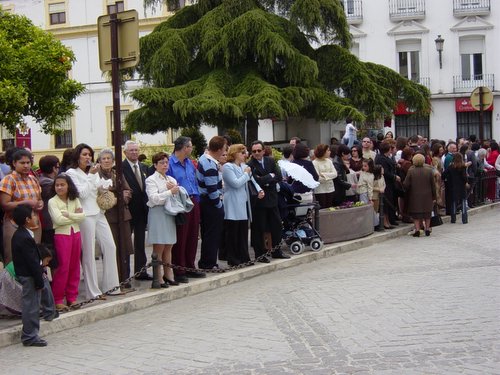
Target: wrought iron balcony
463	8
353	11
469	83
400	10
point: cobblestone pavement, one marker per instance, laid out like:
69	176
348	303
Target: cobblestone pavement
408	306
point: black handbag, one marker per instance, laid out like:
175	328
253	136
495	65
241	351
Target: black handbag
436	219
180	218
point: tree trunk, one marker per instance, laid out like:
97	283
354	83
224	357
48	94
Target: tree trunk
252	130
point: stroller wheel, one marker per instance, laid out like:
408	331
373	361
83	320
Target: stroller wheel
316	244
297	247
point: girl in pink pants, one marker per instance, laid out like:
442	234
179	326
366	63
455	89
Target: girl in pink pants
66	212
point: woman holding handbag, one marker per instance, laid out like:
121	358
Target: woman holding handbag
120	232
162	232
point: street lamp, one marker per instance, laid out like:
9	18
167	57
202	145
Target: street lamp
439	47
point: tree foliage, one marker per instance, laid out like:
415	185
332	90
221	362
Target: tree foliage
223	61
34	75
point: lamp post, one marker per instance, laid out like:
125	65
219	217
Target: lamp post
439	47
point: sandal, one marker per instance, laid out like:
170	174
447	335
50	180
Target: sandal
101	297
73	305
60	307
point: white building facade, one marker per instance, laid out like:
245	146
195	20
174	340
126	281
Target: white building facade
403	35
399	34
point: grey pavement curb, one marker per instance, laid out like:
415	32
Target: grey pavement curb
150	298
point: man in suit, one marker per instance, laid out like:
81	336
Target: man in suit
266	223
135	173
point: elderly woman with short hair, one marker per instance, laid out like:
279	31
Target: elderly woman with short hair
121	230
421	190
162	233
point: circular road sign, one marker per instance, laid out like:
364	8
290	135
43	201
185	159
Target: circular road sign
487	98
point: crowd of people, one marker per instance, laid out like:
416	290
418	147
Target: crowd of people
69	206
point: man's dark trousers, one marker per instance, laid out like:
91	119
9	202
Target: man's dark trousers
212	223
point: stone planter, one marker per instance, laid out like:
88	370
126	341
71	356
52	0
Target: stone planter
345	224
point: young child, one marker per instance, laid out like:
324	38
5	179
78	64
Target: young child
365	186
66	212
378	188
30	273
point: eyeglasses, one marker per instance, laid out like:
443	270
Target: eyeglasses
256	151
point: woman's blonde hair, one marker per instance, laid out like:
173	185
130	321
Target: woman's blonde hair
233	150
418	160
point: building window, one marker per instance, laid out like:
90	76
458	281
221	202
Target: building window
8	139
125	136
64	139
471	58
468	124
409	59
116	7
408	125
57	13
472	66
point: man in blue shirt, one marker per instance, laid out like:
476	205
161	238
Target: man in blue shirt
212	209
183	170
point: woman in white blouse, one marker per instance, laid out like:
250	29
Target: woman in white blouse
95	227
162	232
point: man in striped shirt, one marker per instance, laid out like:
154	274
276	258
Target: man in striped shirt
211	207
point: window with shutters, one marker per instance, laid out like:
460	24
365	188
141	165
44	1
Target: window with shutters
125	136
64	138
57	13
115	6
8	139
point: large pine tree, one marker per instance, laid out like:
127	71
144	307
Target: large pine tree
225	61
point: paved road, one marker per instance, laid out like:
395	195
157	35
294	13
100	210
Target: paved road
407	306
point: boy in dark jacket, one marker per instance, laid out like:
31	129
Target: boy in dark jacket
29	270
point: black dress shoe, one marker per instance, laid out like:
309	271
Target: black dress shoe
196	274
52	317
279	255
144	276
170	282
377	229
264	259
181	279
37	342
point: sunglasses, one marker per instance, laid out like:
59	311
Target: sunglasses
256	151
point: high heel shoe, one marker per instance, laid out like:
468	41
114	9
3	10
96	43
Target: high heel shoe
416	234
427	232
170	282
389	227
164	285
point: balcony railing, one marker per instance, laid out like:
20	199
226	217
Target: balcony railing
424	81
400	10
353	11
463	8
469	83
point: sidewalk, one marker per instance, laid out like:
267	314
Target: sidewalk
143	297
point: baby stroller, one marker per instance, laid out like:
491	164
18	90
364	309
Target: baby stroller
297	217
